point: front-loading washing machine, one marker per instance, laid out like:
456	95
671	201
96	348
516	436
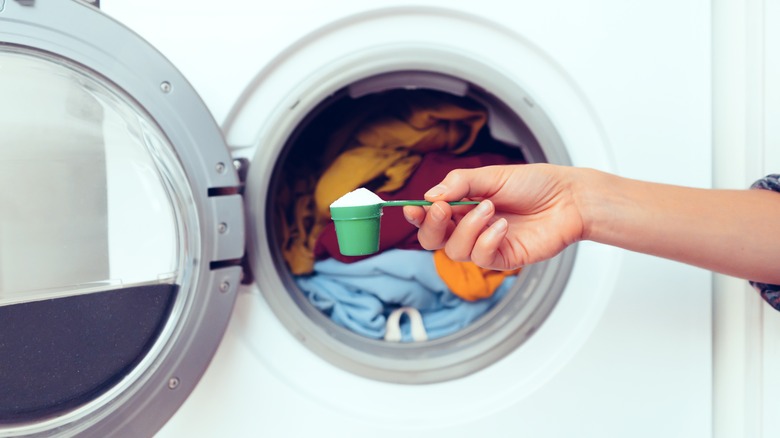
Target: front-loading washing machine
147	284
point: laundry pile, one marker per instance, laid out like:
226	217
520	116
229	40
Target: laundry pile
398	147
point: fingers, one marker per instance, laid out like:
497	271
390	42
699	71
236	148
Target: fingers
436	226
461	242
414	215
467	183
474	238
486	252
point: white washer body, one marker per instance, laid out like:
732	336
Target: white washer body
627	350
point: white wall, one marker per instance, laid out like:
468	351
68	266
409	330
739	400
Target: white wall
746	108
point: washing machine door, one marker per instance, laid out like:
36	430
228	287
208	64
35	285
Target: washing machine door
121	227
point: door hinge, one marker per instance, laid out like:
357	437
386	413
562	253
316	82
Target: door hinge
241	165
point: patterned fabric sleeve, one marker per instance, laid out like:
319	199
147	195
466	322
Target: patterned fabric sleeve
770	292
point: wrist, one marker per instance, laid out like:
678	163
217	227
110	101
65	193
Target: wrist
594	194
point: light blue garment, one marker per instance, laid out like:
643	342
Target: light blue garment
360	295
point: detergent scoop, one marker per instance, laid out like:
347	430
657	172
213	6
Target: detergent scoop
357	217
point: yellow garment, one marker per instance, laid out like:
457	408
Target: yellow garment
467	280
379	147
390	149
295	210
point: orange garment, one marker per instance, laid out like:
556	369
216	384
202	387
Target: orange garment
380	152
466	279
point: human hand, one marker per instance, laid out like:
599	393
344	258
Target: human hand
528	213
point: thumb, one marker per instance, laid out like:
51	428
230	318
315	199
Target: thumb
477	183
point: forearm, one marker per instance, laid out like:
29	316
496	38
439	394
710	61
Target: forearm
727	231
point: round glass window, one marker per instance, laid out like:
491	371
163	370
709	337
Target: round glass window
97	231
403	314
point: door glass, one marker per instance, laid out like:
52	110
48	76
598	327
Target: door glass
85	196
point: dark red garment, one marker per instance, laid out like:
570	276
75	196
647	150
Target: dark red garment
395	231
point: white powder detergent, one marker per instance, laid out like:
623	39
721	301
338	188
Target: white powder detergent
361	196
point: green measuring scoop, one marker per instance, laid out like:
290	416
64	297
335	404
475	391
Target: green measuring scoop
357	226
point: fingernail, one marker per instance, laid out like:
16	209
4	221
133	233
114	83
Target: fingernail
437	212
499	226
484	208
410	219
435	191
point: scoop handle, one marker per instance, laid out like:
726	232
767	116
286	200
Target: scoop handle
422	203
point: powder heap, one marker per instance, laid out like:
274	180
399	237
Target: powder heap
361	196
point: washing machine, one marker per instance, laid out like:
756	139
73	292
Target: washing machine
144	150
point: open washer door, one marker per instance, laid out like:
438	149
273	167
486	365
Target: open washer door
121	227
